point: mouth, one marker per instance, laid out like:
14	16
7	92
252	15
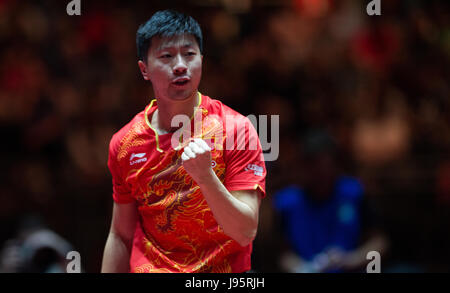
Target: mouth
181	81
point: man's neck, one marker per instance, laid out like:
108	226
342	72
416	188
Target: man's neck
168	109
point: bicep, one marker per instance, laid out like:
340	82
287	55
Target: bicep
124	219
252	198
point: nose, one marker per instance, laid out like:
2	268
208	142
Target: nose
180	66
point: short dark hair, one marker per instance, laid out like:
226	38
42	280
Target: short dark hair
166	23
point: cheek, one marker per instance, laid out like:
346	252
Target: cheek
197	69
157	74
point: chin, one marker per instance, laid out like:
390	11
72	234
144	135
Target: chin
181	95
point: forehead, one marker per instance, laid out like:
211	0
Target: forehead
159	43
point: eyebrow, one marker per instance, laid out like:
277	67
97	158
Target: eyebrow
162	48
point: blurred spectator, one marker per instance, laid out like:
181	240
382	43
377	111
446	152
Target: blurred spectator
324	220
35	249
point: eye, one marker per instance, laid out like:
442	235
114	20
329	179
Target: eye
191	54
164	56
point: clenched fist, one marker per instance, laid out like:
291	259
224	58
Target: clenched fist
197	160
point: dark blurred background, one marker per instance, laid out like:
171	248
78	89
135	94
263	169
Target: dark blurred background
379	85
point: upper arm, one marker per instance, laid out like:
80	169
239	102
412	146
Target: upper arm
121	189
244	159
252	198
124	219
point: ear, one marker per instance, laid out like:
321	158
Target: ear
144	71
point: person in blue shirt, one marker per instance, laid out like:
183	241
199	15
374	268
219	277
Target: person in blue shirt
325	219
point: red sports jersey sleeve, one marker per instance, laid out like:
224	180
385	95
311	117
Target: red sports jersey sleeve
244	161
121	191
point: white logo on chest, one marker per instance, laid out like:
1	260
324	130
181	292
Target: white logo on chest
139	158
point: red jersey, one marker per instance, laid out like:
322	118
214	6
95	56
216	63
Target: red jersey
177	231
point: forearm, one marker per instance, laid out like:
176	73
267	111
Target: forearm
116	256
238	220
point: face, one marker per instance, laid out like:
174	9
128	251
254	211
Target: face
321	176
174	66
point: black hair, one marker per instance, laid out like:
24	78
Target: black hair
166	23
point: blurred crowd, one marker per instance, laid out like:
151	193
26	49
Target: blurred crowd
379	86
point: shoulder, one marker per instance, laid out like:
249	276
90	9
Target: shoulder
127	133
232	120
217	107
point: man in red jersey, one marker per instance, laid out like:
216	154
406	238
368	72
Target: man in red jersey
182	203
